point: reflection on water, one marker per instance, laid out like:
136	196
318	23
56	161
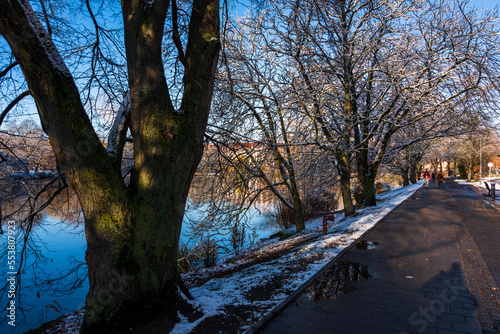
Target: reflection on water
366	244
51	276
215	214
57	247
199	223
336	280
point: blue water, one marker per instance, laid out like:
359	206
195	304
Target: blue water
256	219
62	244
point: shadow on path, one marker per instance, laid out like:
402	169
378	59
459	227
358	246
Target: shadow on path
450	305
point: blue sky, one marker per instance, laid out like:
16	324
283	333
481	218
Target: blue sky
486	3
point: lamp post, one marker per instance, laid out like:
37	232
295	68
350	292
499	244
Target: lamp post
480	160
490	164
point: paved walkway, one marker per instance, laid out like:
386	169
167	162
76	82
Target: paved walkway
434	266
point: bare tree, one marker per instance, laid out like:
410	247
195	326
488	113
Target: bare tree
26	148
261	123
132	229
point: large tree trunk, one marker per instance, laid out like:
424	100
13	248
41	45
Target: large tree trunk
344	169
77	149
370	191
298	209
362	169
132	235
168	146
298	213
373	168
413	175
404	174
414	172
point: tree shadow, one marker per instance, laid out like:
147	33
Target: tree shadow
450	303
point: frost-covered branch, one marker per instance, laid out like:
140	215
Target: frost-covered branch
45	39
117	136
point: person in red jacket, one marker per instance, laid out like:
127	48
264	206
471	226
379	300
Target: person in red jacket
426	176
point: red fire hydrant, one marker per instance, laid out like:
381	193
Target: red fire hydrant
325	220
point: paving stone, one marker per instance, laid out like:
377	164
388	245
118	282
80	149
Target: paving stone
439	324
465	328
298	330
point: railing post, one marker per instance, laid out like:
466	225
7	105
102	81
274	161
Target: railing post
325	222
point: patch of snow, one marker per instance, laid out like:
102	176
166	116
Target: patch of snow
70	324
180	329
463	181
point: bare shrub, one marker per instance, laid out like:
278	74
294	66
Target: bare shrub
238	236
284	216
204	254
184	254
314	204
209	252
381	187
319	203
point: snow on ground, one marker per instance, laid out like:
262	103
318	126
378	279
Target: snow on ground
69	325
233	290
478	184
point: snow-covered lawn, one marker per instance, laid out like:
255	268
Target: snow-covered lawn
478	184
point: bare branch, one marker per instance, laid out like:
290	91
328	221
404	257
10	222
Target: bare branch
175	33
11	66
46	17
13	104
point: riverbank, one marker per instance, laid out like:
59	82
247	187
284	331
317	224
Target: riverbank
246	286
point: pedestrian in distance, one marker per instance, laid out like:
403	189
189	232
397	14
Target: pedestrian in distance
440	178
433	176
426	176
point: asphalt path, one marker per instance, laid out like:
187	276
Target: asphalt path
431	266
